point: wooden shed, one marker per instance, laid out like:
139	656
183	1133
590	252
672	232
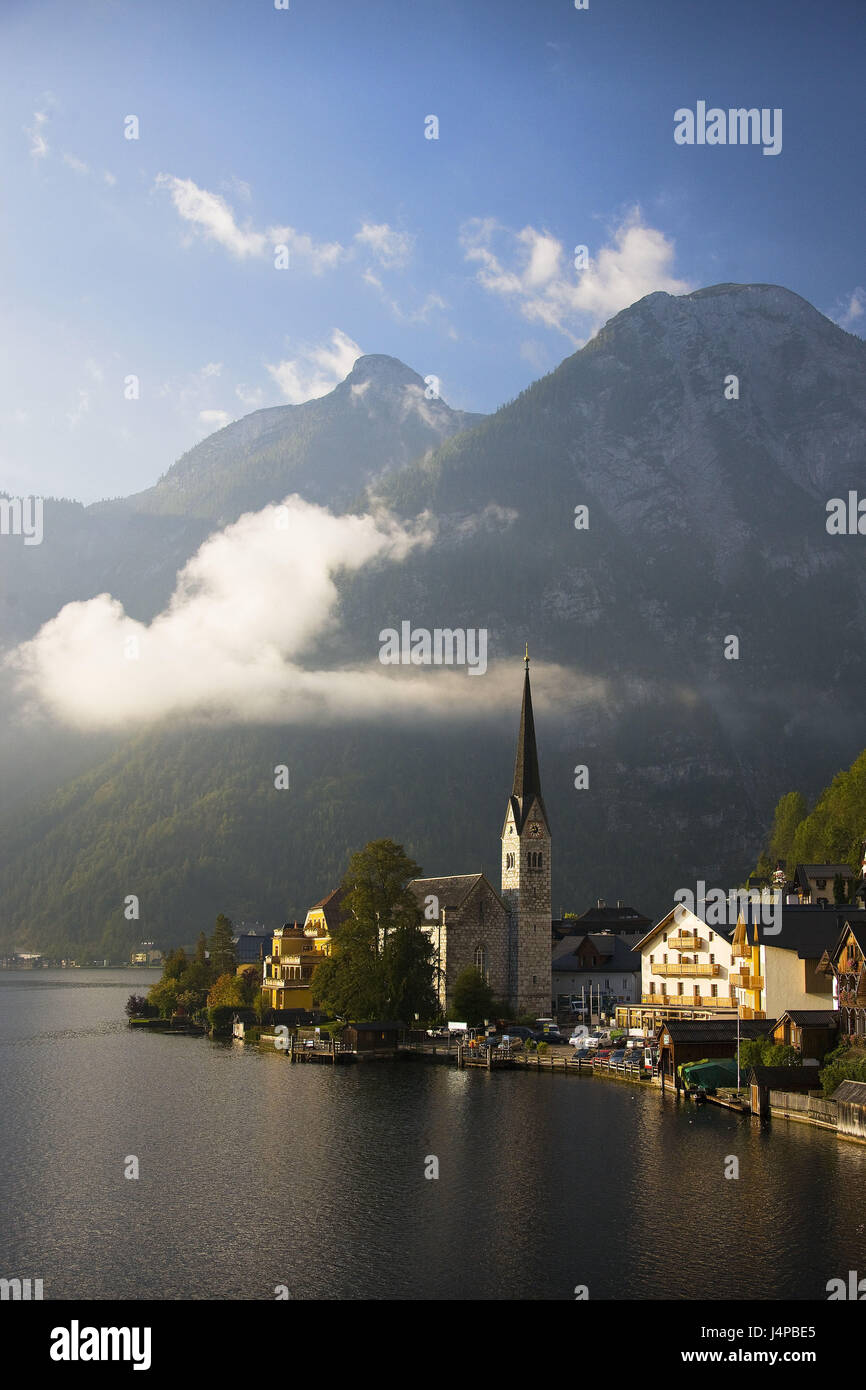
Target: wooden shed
763	1080
695	1040
850	1098
373	1037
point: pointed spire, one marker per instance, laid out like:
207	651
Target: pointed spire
527	779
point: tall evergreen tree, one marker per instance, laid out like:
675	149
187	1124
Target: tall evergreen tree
222	951
201	949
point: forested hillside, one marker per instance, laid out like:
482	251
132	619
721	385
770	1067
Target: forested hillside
831	833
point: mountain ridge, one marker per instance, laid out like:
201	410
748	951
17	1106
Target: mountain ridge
706	518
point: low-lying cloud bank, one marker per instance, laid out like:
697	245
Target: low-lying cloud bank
238	637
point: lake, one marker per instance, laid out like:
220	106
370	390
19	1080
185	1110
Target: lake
255	1173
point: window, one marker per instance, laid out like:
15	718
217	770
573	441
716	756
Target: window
481	961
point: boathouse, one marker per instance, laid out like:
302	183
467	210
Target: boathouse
763	1080
695	1040
850	1098
372	1037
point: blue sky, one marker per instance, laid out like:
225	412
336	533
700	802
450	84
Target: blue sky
306	128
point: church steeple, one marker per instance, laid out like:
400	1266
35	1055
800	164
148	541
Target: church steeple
526	882
527	779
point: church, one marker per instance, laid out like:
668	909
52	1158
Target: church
507	935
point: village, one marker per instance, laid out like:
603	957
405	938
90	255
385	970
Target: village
754	999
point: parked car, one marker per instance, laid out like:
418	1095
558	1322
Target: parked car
442	1032
517	1030
583	1053
618	1055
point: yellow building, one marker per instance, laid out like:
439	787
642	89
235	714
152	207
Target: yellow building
295	953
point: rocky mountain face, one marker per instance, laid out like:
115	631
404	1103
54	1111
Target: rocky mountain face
705	521
328	450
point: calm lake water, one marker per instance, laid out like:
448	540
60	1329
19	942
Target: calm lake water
256	1173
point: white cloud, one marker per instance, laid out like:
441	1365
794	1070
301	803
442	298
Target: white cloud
250	396
228	644
38	144
77	164
210	214
316	371
109	179
850	314
538	275
320	256
391	248
230	647
214	419
82	407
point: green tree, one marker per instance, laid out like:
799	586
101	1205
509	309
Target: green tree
163	996
473	997
222	950
790	811
226	992
763	1052
201	949
408	968
175	964
381	962
250	980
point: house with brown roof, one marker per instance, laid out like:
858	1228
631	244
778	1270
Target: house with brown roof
845	966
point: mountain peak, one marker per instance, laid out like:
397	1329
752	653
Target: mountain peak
381	370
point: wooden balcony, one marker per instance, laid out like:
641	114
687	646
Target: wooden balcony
741	979
690	1001
686	941
686	970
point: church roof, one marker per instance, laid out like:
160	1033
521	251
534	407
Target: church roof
452	890
527	778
